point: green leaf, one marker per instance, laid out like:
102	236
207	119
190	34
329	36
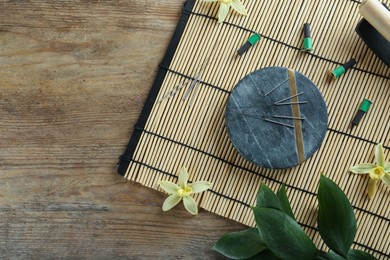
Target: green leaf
329	256
283	235
264	255
266	198
354	254
336	220
240	245
284	203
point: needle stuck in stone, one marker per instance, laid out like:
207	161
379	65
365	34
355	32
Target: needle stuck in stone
278	123
287	98
289	117
266	94
291	103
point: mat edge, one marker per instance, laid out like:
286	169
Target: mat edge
127	156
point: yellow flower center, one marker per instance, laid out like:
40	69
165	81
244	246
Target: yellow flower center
184	192
226	1
377	173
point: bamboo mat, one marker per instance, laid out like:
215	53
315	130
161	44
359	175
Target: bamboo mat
173	133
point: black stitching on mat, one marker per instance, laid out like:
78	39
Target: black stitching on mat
356	137
200	81
253	172
247	205
150	100
288	45
330	129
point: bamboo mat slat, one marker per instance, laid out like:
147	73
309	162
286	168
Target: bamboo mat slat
173	133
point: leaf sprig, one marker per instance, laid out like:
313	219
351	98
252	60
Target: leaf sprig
279	236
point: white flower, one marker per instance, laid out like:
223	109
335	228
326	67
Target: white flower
224	8
378	171
183	191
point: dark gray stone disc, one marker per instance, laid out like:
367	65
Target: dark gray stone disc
284	142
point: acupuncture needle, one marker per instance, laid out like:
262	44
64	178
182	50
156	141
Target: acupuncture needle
278	123
193	86
289	117
287	98
193	83
266	94
173	91
268	120
291	103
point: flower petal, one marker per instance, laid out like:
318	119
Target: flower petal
183	177
223	12
169	187
362	168
170	202
200	186
238	7
387	167
386	179
190	205
372	184
379	155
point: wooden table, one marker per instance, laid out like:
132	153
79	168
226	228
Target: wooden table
73	78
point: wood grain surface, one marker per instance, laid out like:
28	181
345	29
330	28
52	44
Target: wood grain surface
73	78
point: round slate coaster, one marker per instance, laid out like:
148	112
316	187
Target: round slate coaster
276	117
